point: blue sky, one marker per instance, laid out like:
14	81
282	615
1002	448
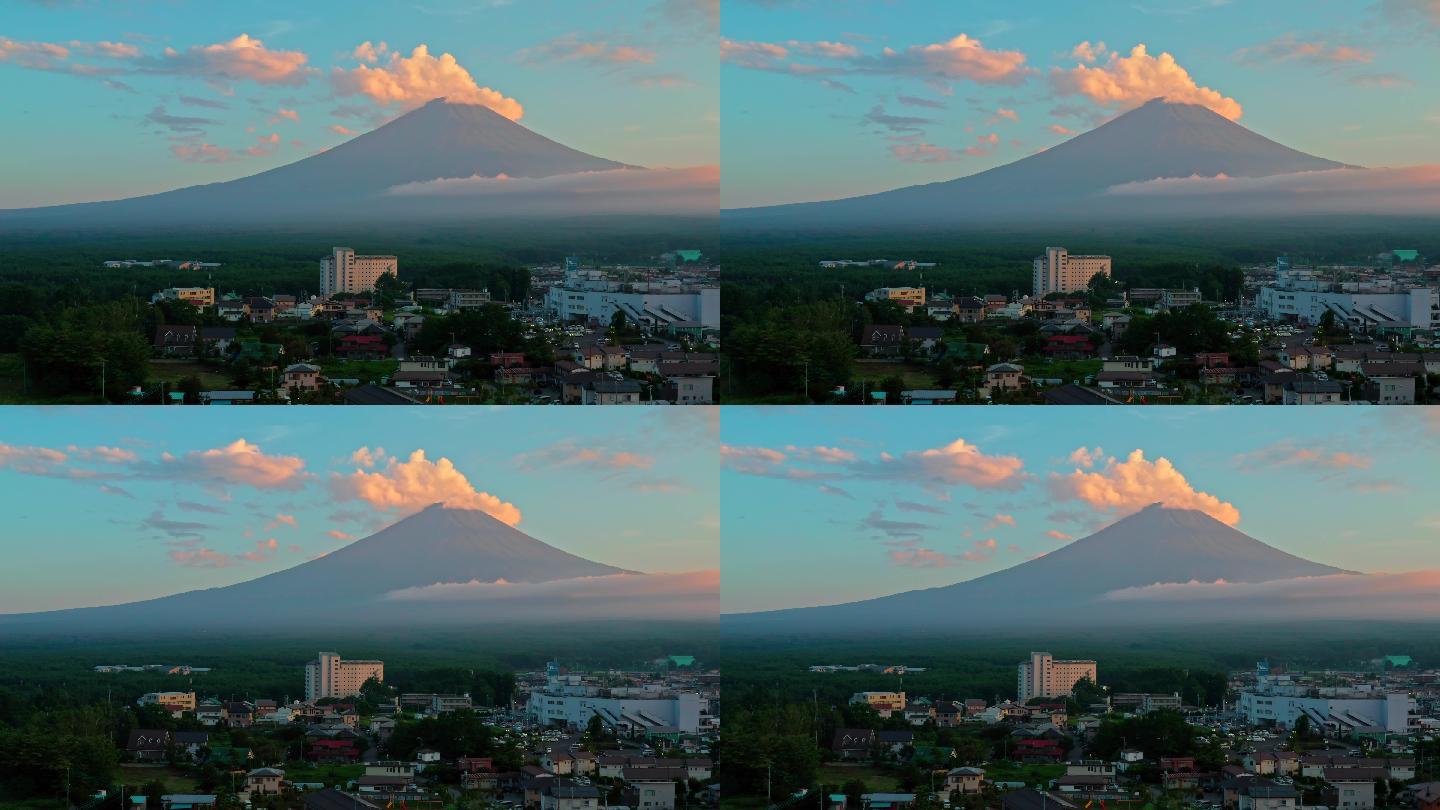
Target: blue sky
831	98
114	99
825	505
113	505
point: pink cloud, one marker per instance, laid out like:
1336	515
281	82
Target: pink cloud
112	50
413	484
202	558
1289	48
264	146
822	48
101	453
243	58
1059	535
567	453
821	453
1085	457
1126	82
201	153
239	462
961	57
960	462
339	535
1008	115
751	54
920	558
368	52
30	460
694	594
1059	129
1088	52
1130	485
342	130
282	113
1287	453
419	78
923	153
571	48
281	520
981	550
1001	520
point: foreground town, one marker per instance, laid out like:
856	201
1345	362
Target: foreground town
1276	333
571	333
1272	740
557	739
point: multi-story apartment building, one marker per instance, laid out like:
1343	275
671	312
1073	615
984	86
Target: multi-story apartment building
1047	676
907	297
184	701
884	703
1059	271
198	297
344	271
1340	714
331	676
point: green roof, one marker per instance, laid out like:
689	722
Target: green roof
1406	255
1399	660
688	255
683	660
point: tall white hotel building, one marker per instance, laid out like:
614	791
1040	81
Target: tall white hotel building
329	675
1058	271
1045	676
343	271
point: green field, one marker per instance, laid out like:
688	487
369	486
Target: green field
874	371
176	780
833	776
367	371
331	775
1016	772
171	372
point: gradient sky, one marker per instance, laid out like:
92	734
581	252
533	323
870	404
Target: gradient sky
113	505
831	98
829	505
125	97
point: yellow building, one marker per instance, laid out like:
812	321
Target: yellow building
907	297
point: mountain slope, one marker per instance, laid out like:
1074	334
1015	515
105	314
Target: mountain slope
439	140
1157	140
436	545
1155	545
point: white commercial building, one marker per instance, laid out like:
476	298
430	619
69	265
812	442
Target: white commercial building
1299	295
1047	676
591	295
331	676
343	271
568	701
1058	271
1393	713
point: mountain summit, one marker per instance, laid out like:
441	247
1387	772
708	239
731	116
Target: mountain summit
438	545
440	140
1157	545
1160	139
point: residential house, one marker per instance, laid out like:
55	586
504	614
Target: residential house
612	392
1004	377
301	377
853	743
264	781
966	781
882	340
191	743
176	340
148	745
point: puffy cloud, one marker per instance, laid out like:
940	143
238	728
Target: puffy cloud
1131	485
958	462
30	460
1126	82
112	50
243	58
597	51
33	55
264	145
1085	457
1006	115
239	462
694	190
1088	52
822	48
692	594
101	453
284	114
281	520
419	78
371	53
413	484
980	551
821	453
961	57
1001	520
1289	48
